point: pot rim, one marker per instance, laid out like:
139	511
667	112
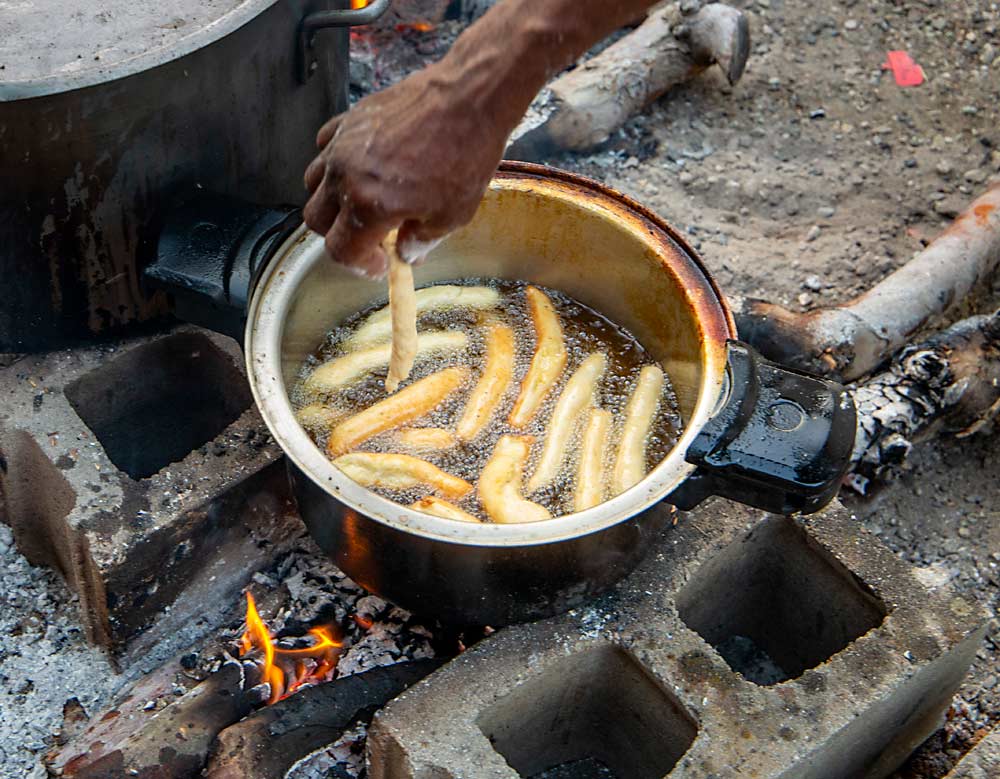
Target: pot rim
303	250
174	49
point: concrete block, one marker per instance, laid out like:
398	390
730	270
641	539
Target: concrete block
745	645
141	470
982	761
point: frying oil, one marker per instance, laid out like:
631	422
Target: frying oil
585	332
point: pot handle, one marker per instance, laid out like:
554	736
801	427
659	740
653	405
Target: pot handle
321	20
209	254
780	441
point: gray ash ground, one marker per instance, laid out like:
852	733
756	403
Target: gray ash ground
804	184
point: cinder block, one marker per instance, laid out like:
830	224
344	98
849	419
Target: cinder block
141	470
746	645
982	761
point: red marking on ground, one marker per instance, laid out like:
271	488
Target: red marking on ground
982	212
906	72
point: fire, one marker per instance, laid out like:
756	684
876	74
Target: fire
356	4
287	670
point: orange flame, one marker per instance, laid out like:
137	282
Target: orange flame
286	670
356	4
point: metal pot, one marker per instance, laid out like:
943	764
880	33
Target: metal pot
107	113
753	431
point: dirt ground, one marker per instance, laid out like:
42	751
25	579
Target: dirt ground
804	184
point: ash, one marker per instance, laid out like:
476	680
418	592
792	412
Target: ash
45	662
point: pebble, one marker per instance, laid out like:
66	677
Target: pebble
970	110
805	299
817	113
975	176
851	24
944	168
813	233
774	84
813	283
826	211
685	178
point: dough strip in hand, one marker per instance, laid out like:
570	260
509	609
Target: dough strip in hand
630	464
403	310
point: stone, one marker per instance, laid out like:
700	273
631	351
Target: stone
982	761
813	283
975	176
813	233
746	645
826	212
851	24
944	167
143	473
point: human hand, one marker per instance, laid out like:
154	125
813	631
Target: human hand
417	156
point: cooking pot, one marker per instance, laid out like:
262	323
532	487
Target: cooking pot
753	431
108	109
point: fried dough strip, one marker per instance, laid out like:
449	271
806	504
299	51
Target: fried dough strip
399	472
577	396
548	362
403	312
492	385
317	417
442	508
427	438
378	326
336	374
630	464
591	476
500	483
405	406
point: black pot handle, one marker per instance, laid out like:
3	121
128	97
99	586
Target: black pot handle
781	440
321	20
210	252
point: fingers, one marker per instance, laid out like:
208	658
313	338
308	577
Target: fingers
357	245
314	173
321	211
327	131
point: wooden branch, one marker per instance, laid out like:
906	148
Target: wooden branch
266	744
581	108
172	743
849	341
949	383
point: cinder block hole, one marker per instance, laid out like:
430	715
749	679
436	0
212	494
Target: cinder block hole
156	403
597	714
775	603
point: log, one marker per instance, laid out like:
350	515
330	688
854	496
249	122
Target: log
950	383
849	341
266	744
582	107
172	743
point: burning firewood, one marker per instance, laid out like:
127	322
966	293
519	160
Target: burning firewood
173	742
581	108
948	383
266	744
849	341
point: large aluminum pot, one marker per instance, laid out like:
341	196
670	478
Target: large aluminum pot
107	109
752	431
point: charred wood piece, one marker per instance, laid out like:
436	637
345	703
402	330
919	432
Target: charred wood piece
172	743
581	108
849	341
949	383
266	744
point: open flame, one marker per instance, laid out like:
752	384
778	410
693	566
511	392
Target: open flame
356	4
287	670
